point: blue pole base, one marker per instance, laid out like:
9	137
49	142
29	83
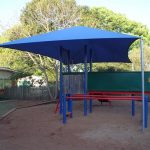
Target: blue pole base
85	107
64	110
90	111
70	106
133	108
60	106
146	112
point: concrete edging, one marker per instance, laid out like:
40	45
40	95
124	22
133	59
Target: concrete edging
7	113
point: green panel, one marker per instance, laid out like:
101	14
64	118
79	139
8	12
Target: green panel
117	81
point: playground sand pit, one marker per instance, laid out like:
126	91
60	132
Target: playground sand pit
107	128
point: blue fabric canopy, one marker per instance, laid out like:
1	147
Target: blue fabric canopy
105	46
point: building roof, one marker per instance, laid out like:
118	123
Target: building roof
7	69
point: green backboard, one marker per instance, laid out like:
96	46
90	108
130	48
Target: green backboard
117	81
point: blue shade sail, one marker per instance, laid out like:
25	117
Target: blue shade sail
105	46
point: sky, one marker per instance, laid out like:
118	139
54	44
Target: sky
137	10
10	11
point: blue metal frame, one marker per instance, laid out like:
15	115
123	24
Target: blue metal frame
61	84
85	80
146	112
133	107
69	94
62	95
90	103
64	110
69	103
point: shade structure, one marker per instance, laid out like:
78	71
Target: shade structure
106	46
81	44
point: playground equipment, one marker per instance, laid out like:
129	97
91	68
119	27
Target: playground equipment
106	86
81	45
120	96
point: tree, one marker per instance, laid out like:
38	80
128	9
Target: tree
135	58
15	60
103	18
48	15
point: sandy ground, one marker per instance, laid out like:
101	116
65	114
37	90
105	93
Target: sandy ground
7	106
107	128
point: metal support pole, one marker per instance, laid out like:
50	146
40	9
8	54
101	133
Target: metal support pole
133	107
90	71
69	94
71	103
64	110
61	84
142	73
146	112
69	62
85	80
69	70
62	95
68	101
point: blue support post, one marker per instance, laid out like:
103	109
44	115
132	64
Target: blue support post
61	84
146	112
90	110
71	103
69	94
69	107
133	107
64	110
85	81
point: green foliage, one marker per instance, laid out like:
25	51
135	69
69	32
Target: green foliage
134	56
112	67
48	15
103	18
15	60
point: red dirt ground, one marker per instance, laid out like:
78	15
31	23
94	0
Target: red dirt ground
107	128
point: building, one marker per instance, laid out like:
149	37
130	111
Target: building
31	81
5	77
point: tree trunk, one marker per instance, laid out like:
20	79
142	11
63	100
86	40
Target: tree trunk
44	72
47	84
